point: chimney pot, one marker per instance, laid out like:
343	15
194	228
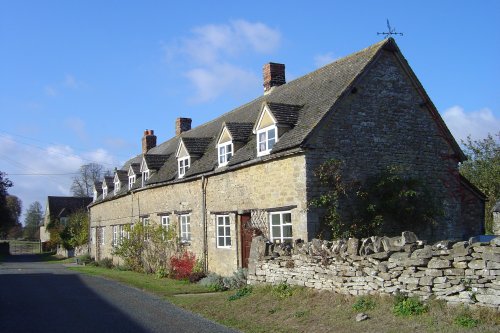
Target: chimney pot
182	125
274	75
148	141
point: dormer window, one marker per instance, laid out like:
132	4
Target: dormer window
117	184
145	172
183	166
104	192
95	195
225	153
266	138
131	181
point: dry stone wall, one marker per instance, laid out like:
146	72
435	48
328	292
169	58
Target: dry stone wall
458	272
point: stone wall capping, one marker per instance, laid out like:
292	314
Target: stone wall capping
457	272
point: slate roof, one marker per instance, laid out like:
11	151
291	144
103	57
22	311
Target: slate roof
64	206
285	114
109	180
240	132
155	161
300	104
122	175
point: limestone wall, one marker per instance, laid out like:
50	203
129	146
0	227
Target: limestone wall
461	272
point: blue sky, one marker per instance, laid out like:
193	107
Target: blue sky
81	80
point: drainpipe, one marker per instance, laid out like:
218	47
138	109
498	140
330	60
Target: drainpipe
204	182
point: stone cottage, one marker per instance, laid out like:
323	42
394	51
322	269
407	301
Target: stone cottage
251	170
59	209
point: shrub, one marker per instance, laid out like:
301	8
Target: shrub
466	320
408	306
182	266
213	282
161	273
242	292
106	263
282	290
238	280
85	259
196	277
364	303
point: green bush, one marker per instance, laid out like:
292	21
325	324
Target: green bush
238	280
408	306
242	292
364	303
282	290
213	282
466	320
85	259
106	263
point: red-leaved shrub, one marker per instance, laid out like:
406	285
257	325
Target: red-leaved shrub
182	265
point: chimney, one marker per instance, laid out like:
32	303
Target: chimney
148	141
274	75
182	125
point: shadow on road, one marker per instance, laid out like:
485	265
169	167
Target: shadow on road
44	302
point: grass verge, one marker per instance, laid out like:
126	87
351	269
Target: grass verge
291	309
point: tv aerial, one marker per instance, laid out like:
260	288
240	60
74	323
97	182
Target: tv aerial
391	31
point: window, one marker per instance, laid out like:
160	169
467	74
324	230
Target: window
145	176
123	232
95	195
185	228
165	221
225	153
281	227
116	234
266	138
92	235
63	220
117	187
131	181
223	231
104	192
145	223
183	166
101	235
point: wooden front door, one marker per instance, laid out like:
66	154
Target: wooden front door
246	233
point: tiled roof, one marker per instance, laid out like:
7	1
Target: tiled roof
240	132
301	104
64	206
155	161
285	114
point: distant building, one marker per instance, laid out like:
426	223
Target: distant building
251	170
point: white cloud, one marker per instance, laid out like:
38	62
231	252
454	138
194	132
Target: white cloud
321	60
71	82
213	81
208	52
477	124
50	91
60	161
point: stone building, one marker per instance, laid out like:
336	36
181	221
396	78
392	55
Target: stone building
59	209
251	170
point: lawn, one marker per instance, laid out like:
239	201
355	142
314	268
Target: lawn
270	309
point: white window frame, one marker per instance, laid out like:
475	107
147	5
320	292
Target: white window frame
102	231
131	181
165	222
116	235
145	224
266	140
123	232
117	187
185	223
223	223
280	238
95	195
186	163
145	176
224	157
104	192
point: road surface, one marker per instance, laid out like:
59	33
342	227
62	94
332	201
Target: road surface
46	297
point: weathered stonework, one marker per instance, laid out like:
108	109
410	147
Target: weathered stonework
336	269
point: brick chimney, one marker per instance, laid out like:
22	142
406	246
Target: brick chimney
182	125
274	75
148	141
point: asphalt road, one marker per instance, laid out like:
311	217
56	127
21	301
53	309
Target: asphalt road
43	297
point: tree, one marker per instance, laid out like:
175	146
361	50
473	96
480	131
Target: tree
6	221
70	232
14	206
83	183
482	168
32	221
